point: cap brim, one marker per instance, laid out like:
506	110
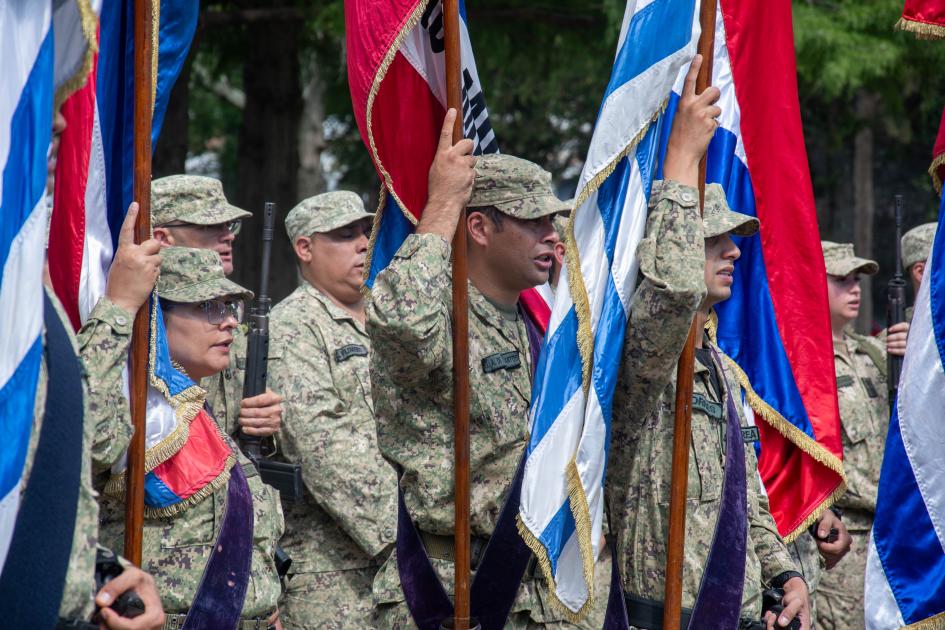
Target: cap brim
229	213
846	266
733	223
342	221
206	290
535	207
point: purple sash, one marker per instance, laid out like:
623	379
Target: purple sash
218	603
719	602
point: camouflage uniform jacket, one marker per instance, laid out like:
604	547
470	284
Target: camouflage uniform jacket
672	260
174	549
409	324
319	362
79	590
864	414
225	390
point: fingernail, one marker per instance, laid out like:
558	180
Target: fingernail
105	598
822	533
782	621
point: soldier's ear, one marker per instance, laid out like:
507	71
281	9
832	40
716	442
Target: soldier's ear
476	228
163	236
303	249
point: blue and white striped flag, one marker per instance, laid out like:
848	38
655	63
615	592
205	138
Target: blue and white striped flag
905	569
26	110
562	503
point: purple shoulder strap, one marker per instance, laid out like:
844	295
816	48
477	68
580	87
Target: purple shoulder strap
218	603
719	602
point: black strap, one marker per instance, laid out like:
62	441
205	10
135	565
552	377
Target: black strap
648	614
34	574
616	617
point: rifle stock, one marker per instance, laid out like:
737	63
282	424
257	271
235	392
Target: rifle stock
895	308
284	477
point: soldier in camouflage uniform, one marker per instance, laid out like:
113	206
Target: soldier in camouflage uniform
340	533
864	413
408	319
676	273
193	290
192	211
916	245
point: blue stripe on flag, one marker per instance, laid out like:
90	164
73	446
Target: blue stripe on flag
391	233
557	533
156	492
557	386
24	174
653	34
937	287
17	399
178	24
912	561
163	368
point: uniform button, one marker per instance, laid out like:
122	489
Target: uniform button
687	197
388	534
120	320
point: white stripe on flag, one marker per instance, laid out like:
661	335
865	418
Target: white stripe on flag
97	248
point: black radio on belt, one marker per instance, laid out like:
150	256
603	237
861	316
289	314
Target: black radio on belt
107	568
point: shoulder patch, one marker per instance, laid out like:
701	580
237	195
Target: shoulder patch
844	380
351	350
501	361
750	434
711	409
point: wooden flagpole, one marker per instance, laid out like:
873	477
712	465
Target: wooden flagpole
461	610
675	545
143	90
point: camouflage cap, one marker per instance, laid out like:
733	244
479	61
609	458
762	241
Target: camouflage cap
841	261
917	243
193	275
324	213
191	199
718	218
515	187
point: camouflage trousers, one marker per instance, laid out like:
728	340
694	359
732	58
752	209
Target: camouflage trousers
807	557
840	594
332	600
396	616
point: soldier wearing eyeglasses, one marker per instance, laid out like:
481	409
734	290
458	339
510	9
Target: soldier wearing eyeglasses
192	211
342	531
201	310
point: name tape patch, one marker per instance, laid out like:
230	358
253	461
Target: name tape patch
844	381
870	387
750	434
501	361
711	409
351	350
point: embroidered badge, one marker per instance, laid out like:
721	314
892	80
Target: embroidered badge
711	409
351	350
870	388
750	434
844	381
501	361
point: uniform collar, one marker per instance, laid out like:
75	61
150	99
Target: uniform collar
334	311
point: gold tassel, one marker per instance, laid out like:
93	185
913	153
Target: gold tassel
933	171
921	30
932	623
89	22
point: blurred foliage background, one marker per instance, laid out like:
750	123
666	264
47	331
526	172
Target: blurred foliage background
263	104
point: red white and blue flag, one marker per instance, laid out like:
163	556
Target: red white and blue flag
776	324
94	177
397	76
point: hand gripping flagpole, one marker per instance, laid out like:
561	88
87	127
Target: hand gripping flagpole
461	606
675	546
143	101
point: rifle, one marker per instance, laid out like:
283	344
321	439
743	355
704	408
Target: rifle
284	477
895	308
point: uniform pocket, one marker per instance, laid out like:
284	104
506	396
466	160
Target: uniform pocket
194	526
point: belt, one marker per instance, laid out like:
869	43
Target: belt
648	615
173	622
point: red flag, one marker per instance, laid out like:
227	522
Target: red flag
925	18
937	168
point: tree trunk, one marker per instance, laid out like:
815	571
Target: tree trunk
312	135
864	207
268	156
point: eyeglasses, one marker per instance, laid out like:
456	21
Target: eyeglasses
233	227
219	310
